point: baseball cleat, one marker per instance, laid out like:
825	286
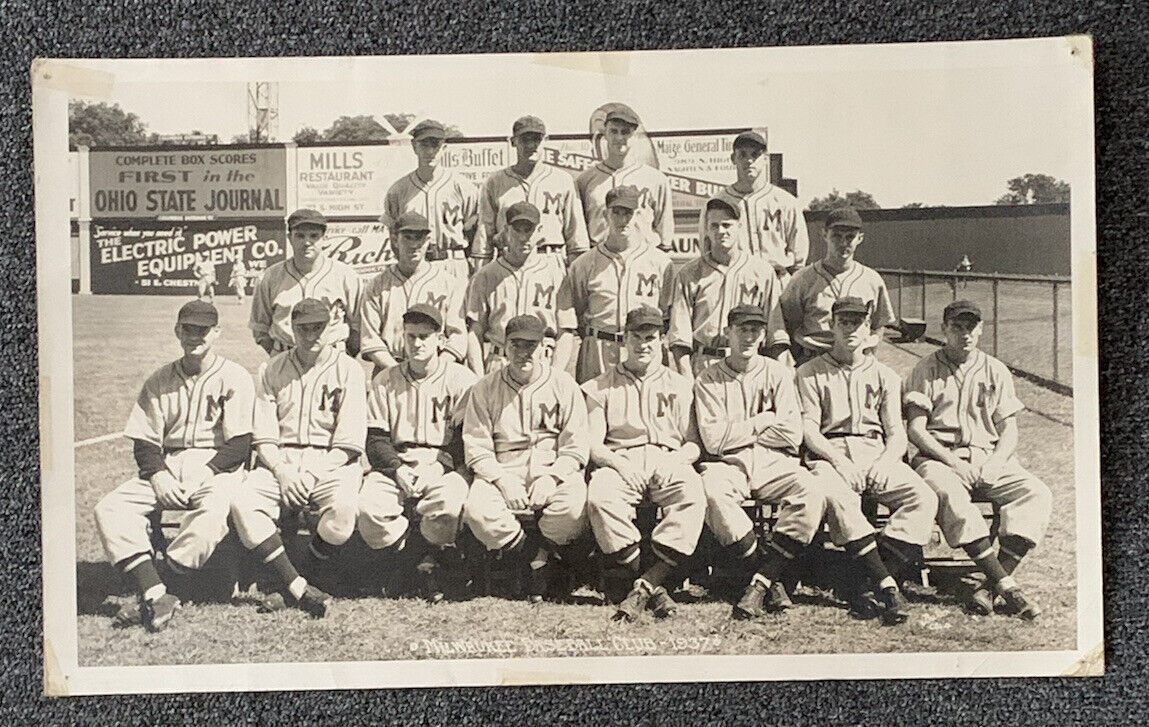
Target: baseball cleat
536	583
128	615
428	582
157	614
662	604
863	606
632	605
750	605
895	608
980	602
777	599
1016	604
314	602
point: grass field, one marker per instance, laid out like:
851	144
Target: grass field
119	340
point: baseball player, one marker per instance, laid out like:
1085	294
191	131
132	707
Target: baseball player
446	199
750	424
561	233
654	213
191	437
707	288
414	420
808	297
205	279
521	280
644	444
853	432
310	428
962	413
409	280
307	274
238	279
614	278
774	227
525	438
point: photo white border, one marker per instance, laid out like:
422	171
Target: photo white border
54	81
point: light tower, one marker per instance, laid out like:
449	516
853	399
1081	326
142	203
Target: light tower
263	111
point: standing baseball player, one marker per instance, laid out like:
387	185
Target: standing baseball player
611	280
414	445
447	200
310	429
307	274
774	227
521	280
962	413
655	210
644	445
705	290
409	280
750	423
852	420
561	233
204	271
191	437
811	292
238	279
525	438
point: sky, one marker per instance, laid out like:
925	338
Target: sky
944	124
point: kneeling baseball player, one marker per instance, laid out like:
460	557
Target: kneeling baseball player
855	439
310	427
414	445
525	438
962	412
191	435
644	444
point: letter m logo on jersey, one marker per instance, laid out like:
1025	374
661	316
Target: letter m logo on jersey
985	393
452	214
747	294
772	221
214	409
436	300
647	285
440	410
665	401
548	417
332	399
544	297
873	397
765	401
553	202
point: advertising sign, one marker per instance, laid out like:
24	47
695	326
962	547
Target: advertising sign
362	245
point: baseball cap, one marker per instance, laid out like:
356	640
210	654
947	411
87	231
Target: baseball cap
844	217
750	137
960	307
423	312
643	317
412	221
622	112
850	304
746	313
624	196
717	203
529	125
310	310
430	127
526	327
306	217
198	313
522	211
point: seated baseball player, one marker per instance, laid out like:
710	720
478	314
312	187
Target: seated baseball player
706	288
414	445
525	438
643	445
750	423
854	437
310	428
811	292
962	412
191	437
521	280
409	280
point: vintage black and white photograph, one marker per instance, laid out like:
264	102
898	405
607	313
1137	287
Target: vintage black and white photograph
648	366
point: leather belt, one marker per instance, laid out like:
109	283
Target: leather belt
601	335
711	350
843	435
453	254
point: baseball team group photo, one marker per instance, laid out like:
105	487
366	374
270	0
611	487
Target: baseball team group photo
614	374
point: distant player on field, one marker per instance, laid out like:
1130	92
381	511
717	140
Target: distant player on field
205	279
238	279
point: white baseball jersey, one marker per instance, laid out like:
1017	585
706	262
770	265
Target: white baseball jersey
772	222
499	292
239	272
964	403
324	406
552	191
283	285
725	401
602	286
705	292
176	410
450	202
840	399
204	270
654	409
390	294
809	297
655	215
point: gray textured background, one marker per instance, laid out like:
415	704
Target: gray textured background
181	28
